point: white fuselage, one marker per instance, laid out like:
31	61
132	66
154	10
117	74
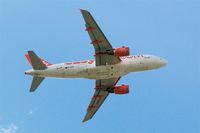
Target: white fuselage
88	69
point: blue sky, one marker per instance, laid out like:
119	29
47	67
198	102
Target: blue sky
164	100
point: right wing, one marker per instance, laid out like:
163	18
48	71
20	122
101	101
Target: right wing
103	87
104	53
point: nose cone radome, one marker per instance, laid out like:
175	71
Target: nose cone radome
162	62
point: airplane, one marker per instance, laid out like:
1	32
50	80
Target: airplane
109	66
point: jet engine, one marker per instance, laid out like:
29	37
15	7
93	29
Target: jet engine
123	89
123	51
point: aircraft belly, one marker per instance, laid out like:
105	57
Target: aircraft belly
104	72
137	66
91	72
59	72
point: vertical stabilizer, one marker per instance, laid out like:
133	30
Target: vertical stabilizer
36	61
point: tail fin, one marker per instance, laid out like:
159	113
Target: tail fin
37	64
33	59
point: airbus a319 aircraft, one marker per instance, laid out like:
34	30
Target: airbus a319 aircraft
108	67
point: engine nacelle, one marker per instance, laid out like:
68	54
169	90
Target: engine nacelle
123	89
123	51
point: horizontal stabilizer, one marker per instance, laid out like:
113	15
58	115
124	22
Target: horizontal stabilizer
35	83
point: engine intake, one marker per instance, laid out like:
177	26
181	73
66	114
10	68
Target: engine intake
123	51
123	89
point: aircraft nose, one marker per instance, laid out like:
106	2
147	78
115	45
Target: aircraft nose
162	62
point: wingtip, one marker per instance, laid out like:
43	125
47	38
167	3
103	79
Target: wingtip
29	51
81	9
84	120
31	91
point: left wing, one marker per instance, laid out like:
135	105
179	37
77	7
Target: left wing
104	53
103	88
